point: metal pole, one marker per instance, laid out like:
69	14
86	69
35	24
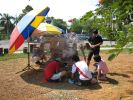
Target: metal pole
28	52
28	67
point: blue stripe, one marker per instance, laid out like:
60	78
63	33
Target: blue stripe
28	31
26	20
44	12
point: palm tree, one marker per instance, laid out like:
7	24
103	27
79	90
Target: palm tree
27	9
16	19
6	22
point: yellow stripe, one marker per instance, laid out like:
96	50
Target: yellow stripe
12	50
37	21
52	29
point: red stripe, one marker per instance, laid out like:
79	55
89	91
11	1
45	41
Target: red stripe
19	41
13	37
82	73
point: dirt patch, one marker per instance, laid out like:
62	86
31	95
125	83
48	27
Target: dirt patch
29	84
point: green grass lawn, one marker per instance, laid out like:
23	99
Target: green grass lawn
12	56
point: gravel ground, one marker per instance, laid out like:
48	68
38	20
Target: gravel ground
29	85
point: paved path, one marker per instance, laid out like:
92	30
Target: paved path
5	44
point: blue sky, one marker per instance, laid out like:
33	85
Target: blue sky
64	9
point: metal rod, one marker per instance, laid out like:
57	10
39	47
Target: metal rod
28	51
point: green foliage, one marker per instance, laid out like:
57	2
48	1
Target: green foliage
86	16
111	56
6	22
76	26
49	19
27	9
130	50
12	56
60	23
86	21
114	22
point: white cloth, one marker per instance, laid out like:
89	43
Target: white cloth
56	76
84	68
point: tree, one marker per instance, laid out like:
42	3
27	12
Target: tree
76	26
16	20
6	22
49	20
60	23
115	22
27	9
86	21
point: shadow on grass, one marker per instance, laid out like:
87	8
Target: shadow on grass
36	78
131	81
119	74
130	72
112	81
109	81
130	92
